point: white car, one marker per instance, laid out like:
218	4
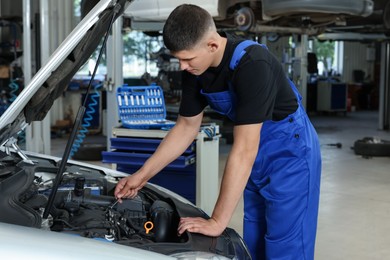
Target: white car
260	16
54	208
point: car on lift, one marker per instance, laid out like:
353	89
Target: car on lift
311	17
63	209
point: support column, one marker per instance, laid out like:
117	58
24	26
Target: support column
27	60
300	70
26	40
44	134
114	52
38	134
384	88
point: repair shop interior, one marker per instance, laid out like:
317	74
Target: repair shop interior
90	94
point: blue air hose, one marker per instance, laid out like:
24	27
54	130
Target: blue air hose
13	95
14	88
86	120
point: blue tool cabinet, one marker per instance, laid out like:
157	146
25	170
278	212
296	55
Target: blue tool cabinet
130	153
332	96
194	175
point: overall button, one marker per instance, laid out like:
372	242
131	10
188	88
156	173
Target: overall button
296	135
291	120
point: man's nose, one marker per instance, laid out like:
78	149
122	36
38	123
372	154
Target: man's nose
183	65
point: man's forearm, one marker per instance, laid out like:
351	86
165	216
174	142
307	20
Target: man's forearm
237	171
233	184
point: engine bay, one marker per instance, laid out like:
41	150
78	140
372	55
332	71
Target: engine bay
84	205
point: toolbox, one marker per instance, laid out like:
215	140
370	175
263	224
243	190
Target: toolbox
142	107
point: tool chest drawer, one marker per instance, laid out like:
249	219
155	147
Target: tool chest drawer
132	158
141	144
134	151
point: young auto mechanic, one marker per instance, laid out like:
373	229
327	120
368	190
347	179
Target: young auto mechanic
275	158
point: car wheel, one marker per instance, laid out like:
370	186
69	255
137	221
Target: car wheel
369	146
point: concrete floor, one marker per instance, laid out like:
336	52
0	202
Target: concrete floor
355	192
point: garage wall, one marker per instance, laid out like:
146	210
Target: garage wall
10	8
355	58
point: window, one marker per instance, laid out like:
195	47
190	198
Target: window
137	54
325	52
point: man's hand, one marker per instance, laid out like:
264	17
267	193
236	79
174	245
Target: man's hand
208	227
129	186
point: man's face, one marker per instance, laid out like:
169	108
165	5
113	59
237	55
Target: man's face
195	61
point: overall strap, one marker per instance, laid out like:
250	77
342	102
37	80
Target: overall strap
239	51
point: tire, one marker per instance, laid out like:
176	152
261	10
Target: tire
368	146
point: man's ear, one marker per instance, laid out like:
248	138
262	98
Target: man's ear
212	45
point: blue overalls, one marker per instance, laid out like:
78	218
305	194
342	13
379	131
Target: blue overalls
282	194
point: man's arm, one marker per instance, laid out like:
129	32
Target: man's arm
237	171
173	145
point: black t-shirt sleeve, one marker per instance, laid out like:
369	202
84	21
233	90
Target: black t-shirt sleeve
192	101
259	83
254	85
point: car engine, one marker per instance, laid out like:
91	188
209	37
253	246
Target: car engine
84	205
85	211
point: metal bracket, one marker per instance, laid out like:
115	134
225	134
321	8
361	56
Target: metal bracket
12	143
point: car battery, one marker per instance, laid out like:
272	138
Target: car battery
142	107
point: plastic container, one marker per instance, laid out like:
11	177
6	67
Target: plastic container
142	107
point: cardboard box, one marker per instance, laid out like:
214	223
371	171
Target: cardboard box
4	72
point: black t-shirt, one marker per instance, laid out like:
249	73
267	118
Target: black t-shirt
260	85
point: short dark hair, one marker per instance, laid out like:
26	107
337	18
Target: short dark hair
185	27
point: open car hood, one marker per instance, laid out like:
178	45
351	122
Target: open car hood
36	99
